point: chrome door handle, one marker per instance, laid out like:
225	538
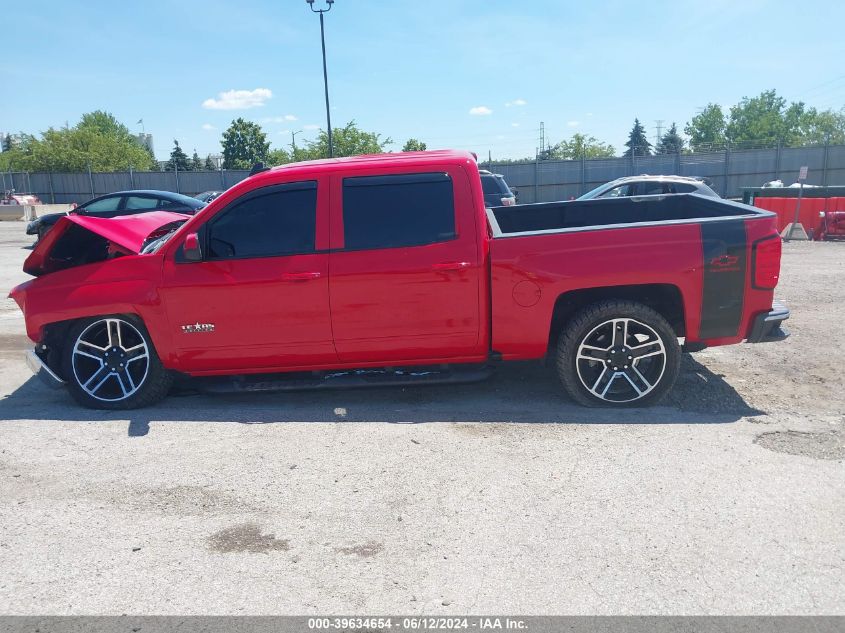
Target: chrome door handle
301	276
452	266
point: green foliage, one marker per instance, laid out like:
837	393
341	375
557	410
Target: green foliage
278	157
7	143
196	162
706	129
581	146
671	142
637	143
763	118
348	141
98	140
244	144
209	164
414	145
178	159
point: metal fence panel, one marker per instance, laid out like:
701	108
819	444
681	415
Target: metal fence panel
540	181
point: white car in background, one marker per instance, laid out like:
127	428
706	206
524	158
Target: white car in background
646	185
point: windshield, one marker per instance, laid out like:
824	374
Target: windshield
595	192
494	183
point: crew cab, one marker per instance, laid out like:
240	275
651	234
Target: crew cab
389	269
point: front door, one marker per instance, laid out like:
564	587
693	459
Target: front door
259	299
405	268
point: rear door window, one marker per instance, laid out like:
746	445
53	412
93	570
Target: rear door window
140	203
267	222
651	188
398	211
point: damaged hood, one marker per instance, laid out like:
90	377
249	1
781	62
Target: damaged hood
77	239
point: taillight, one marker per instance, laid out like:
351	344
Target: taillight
509	201
766	254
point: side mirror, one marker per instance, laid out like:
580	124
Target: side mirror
193	252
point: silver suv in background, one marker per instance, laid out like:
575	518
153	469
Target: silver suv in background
496	190
646	185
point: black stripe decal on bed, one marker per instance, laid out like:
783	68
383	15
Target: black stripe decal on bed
723	245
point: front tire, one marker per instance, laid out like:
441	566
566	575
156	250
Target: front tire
618	354
111	363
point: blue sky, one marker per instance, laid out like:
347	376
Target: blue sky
469	74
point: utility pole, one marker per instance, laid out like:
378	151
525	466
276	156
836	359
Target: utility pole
658	124
329	4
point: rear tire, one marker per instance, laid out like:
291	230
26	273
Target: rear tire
618	354
111	363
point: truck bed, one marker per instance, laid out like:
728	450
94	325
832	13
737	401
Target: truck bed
691	251
613	212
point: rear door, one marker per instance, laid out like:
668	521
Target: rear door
405	267
260	296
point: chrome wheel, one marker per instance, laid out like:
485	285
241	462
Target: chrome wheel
621	360
110	360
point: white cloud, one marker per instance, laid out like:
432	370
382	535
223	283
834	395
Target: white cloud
514	124
279	119
573	123
516	102
480	111
589	114
208	127
239	99
310	126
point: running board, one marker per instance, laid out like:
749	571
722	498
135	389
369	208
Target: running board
350	379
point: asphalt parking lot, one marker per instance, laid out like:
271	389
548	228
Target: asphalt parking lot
498	497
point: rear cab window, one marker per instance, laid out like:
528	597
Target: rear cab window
397	211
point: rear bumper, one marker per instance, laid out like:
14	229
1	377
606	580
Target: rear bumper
768	327
47	375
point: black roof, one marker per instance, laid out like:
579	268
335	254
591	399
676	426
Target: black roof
167	195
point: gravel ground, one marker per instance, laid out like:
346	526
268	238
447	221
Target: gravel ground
496	497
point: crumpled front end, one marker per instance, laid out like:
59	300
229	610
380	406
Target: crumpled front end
76	240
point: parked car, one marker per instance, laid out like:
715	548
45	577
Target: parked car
400	272
207	196
649	186
121	203
497	193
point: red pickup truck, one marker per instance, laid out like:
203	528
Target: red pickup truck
388	269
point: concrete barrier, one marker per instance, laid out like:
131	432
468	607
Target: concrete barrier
14	211
29	212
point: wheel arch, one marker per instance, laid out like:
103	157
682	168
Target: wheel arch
55	336
666	299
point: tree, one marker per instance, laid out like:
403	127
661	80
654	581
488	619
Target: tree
637	144
209	164
706	129
98	141
764	118
823	127
7	143
671	142
414	145
178	159
348	141
196	163
581	146
244	144
278	157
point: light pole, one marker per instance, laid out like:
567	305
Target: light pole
328	8
293	143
